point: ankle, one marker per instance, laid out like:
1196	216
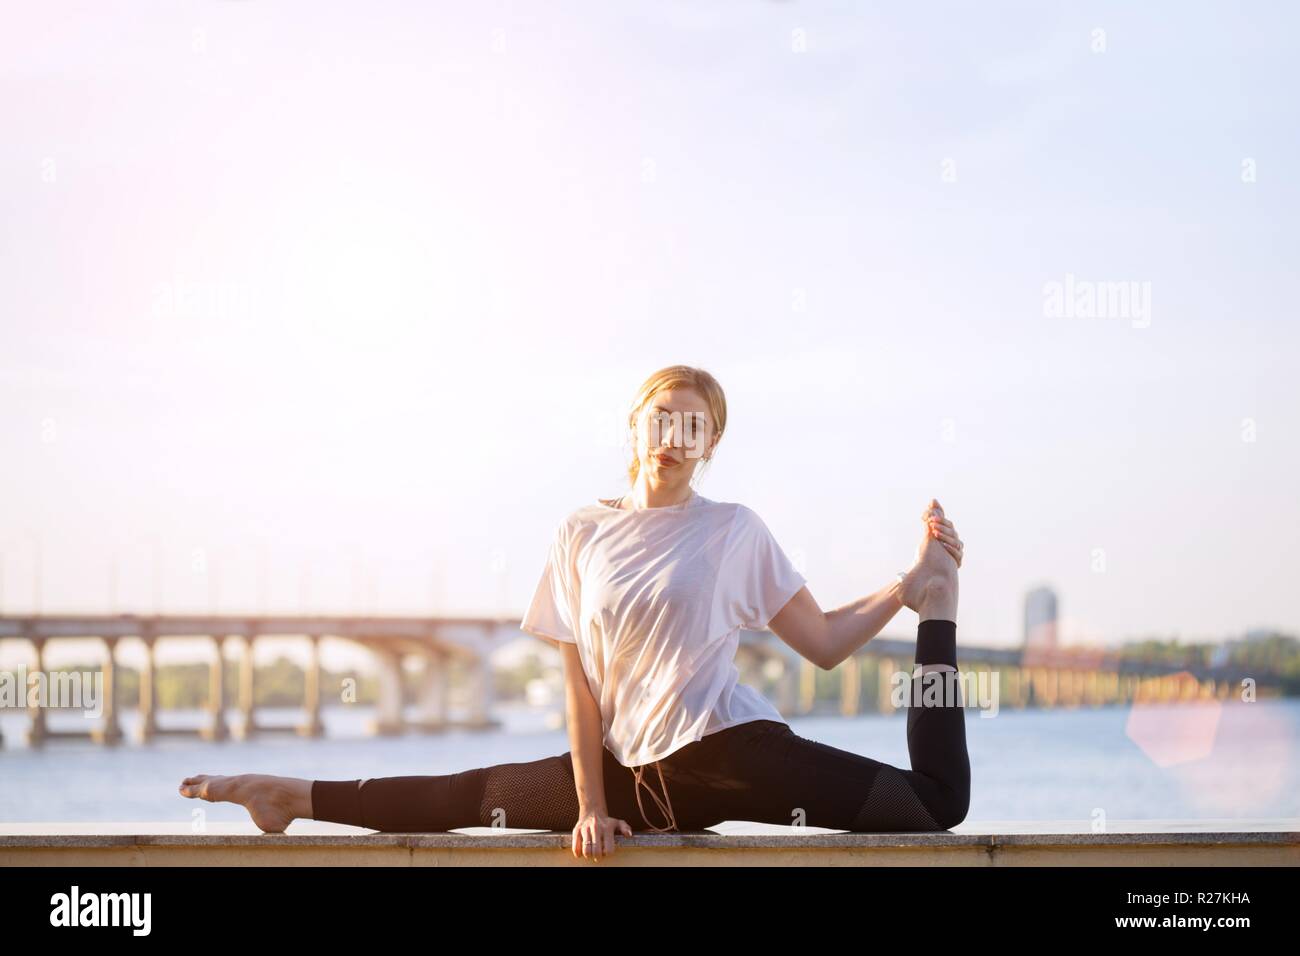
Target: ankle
939	599
300	798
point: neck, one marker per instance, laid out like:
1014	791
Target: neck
648	494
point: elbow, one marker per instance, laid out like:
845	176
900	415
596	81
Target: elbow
826	657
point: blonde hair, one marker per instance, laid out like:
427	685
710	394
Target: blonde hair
677	376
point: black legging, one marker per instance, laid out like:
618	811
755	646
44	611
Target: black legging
759	771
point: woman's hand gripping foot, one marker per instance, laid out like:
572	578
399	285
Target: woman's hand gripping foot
930	587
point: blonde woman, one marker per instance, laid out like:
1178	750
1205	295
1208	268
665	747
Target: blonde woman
645	596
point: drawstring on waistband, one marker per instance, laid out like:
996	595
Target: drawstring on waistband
666	811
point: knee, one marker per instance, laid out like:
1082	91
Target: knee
952	809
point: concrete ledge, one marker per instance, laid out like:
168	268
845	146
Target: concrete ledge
993	843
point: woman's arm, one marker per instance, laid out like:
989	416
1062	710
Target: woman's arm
593	836
586	736
828	637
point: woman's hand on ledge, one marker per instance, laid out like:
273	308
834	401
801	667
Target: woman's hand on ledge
593	837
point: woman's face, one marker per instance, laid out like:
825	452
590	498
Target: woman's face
674	433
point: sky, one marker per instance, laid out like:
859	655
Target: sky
304	307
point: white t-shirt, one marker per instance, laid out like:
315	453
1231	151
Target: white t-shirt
655	599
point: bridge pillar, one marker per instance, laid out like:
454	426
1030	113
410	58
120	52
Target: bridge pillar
388	720
787	689
247	687
807	685
435	691
148	692
885	685
1042	695
110	729
1016	678
480	701
850	686
217	728
38	733
312	725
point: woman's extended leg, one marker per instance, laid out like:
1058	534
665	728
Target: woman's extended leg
536	794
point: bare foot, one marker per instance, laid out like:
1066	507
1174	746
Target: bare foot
930	587
272	802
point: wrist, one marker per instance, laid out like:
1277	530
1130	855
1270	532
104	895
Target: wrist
897	587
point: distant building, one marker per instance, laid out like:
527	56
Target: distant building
1040	619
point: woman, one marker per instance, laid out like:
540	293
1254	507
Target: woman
645	596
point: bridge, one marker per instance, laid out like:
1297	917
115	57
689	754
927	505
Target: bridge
1034	676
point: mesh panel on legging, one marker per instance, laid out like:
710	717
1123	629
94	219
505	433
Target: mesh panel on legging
892	804
536	795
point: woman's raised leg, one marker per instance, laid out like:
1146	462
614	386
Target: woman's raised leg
766	773
769	774
935	793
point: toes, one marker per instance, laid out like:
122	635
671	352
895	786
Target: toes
196	786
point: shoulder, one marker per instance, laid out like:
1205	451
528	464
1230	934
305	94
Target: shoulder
748	525
578	520
742	520
743	514
562	528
